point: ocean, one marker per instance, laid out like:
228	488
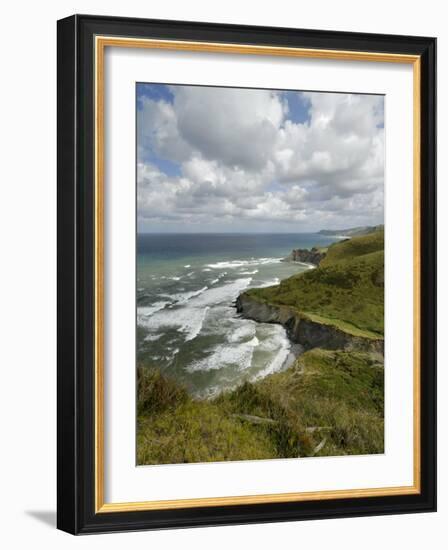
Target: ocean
187	325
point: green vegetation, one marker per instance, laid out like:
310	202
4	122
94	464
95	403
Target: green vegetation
174	428
328	403
346	290
353	248
353	231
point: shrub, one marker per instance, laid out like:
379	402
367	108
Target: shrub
156	393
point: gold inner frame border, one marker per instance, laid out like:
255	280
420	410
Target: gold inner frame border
101	42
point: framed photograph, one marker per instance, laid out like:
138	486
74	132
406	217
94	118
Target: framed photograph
246	274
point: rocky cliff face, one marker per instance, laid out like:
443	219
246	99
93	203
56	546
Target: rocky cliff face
313	256
302	330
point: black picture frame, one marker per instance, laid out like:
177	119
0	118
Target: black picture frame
76	255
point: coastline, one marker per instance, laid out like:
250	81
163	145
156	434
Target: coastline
187	325
211	350
295	351
326	398
316	329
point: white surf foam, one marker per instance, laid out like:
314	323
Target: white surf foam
271	282
188	313
276	343
233	264
243	333
224	293
249	272
221	275
183	297
186	320
277	362
254	342
153	337
196	329
147	311
239	355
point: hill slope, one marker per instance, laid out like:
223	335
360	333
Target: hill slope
328	403
352	231
346	290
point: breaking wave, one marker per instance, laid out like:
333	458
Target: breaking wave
225	355
147	311
187	311
233	264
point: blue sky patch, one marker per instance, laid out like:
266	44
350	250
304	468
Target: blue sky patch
156	92
299	107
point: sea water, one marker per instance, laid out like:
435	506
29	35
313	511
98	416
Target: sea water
187	324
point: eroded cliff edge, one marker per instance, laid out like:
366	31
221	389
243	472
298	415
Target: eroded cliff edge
304	330
303	255
337	305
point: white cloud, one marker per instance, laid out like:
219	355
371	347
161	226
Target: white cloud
242	158
233	126
157	131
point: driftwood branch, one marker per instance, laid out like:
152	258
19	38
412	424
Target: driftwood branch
255	419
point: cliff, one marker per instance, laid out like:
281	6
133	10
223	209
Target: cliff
313	256
307	330
338	305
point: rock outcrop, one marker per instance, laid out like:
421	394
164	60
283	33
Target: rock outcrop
304	331
313	256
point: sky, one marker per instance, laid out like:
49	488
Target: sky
213	159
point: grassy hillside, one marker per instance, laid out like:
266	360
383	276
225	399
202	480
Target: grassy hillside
328	403
353	231
174	428
347	289
354	247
